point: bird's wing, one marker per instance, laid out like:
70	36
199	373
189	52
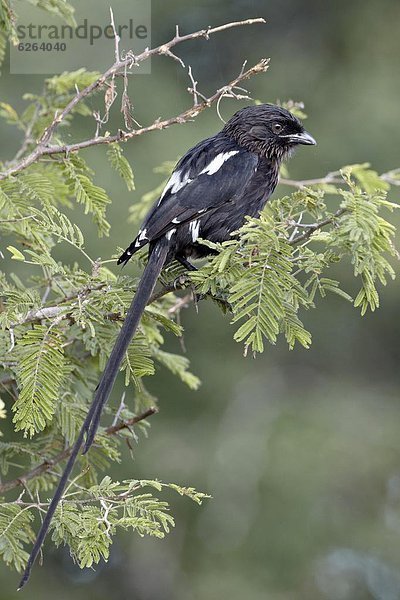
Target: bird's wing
197	187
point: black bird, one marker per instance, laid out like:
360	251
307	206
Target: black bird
212	188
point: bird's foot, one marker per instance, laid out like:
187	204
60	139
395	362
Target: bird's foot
181	281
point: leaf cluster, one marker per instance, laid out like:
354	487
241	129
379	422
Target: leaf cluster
86	520
276	265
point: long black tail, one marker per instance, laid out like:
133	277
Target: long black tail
91	423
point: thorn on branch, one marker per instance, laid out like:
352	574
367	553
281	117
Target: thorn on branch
193	89
167	52
116	36
243	68
120	409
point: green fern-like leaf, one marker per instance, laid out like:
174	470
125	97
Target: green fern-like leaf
137	362
40	374
52	220
121	165
178	365
3	47
15	530
92	197
68	80
366	236
17	303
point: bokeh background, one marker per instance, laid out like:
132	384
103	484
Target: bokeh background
300	450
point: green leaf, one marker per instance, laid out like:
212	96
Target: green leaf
6	110
121	165
15	531
137	362
93	197
368	178
40	373
15	253
3	47
59	8
69	80
178	365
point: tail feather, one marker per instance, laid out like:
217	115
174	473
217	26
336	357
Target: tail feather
132	319
146	285
131	249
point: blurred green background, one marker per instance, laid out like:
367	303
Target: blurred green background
300	450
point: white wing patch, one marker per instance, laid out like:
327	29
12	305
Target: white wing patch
217	162
141	237
177	182
194	227
174	184
170	233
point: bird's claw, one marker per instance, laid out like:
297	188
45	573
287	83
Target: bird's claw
180	282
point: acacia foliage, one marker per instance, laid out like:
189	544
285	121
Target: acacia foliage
58	321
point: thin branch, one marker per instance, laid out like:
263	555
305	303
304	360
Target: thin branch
46	465
120	409
116	36
7	381
16	220
158	124
57	310
173	286
43	146
296	224
333	177
49	312
193	90
168	52
391	177
181	303
310	229
113	429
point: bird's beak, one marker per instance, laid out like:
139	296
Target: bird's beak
301	138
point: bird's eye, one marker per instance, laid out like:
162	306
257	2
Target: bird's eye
277	127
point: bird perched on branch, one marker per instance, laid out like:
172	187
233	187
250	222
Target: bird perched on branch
212	188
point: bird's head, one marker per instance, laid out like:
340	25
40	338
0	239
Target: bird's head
268	130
